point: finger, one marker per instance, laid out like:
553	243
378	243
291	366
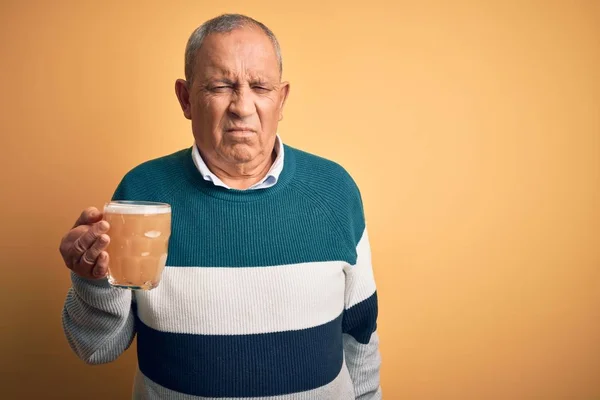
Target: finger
89	257
66	244
88	216
85	241
101	268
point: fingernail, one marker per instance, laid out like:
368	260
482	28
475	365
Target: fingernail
99	271
103	226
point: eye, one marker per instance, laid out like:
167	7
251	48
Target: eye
261	89
221	88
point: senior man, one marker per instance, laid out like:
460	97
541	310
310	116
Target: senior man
268	292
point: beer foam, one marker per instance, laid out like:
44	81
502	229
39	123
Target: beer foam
137	207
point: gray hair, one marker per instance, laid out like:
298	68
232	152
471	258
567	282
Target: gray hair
223	24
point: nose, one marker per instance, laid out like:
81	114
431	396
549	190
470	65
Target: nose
242	103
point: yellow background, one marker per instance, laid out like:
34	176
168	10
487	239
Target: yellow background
473	130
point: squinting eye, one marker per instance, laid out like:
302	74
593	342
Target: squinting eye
261	89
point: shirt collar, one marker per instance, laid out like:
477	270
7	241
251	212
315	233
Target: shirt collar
269	180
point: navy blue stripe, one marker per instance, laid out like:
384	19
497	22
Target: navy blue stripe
242	365
360	320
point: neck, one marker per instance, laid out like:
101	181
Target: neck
241	176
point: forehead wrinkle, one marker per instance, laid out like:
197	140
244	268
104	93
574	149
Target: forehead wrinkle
233	57
220	72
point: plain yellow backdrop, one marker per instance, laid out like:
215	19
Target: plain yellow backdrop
472	129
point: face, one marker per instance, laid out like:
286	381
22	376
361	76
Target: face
236	97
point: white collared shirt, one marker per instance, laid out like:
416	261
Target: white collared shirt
269	180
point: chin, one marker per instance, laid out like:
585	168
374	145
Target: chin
240	154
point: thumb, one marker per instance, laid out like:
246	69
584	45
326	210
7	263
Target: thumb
89	216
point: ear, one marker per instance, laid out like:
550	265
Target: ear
183	95
284	91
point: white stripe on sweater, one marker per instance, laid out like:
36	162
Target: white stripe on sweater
360	282
221	301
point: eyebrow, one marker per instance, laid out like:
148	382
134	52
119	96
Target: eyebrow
223	80
251	80
221	74
225	72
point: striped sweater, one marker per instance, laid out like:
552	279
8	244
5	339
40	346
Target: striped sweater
267	294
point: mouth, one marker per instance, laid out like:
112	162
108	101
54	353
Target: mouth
241	129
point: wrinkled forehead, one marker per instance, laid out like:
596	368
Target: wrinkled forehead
242	53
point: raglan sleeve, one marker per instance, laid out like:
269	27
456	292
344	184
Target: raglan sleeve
361	341
98	319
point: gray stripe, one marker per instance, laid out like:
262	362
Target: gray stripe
364	363
339	389
97	320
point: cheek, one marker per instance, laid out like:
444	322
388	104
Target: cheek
211	111
208	115
268	112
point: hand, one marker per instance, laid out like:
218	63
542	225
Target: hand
82	248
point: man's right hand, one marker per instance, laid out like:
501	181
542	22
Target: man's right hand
82	248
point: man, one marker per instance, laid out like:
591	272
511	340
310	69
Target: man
268	290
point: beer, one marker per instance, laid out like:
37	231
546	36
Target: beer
139	238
